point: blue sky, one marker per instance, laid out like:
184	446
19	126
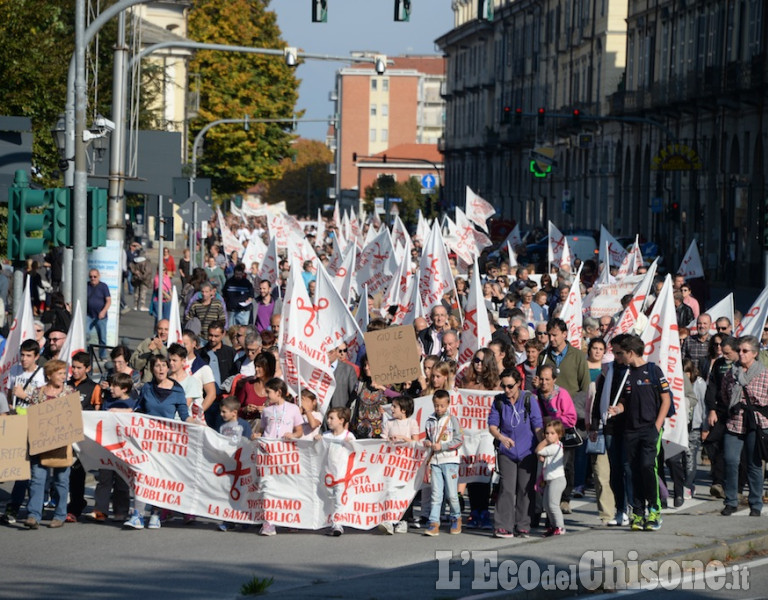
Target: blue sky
353	25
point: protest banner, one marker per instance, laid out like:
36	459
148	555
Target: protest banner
55	423
393	355
14	465
477	456
305	484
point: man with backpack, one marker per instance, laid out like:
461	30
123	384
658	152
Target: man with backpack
645	402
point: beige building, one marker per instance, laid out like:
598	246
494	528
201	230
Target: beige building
661	85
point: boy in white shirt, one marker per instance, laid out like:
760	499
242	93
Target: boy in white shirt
338	431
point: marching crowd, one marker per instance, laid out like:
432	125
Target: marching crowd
563	418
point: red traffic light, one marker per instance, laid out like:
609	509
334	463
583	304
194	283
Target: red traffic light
542	111
507	109
675	206
519	111
576	112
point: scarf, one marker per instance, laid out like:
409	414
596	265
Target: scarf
742	377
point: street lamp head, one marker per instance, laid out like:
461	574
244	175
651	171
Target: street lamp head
290	55
380	64
59	133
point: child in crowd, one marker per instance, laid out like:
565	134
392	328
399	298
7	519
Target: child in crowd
550	451
337	420
313	419
233	427
402	427
109	483
279	420
444	438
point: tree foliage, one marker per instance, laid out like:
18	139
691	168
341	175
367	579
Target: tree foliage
237	84
409	191
305	175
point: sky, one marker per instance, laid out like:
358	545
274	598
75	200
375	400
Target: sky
352	25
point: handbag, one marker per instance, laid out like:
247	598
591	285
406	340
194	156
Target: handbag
572	438
58	458
598	446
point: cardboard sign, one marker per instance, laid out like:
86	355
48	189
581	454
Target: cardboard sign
13	448
393	355
55	423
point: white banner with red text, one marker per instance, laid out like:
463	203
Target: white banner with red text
304	484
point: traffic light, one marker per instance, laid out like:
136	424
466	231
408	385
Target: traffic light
537	171
26	219
518	116
576	118
506	112
540	115
402	10
319	11
60	215
97	217
673	211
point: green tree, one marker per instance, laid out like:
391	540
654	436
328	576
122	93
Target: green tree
234	85
409	191
304	178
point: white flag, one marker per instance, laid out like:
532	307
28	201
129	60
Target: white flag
336	215
512	256
630	314
691	267
753	322
476	330
662	346
463	242
271	263
436	278
478	210
333	317
279	231
174	318
75	341
342	279
613	250
399	232
566	259
514	239
571	312
555	245
255	251
22	329
377	265
303	351
724	308
422	229
229	240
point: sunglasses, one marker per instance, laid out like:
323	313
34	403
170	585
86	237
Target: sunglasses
506	386
726	329
342	350
541	333
477	360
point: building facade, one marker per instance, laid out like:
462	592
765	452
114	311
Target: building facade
669	138
402	106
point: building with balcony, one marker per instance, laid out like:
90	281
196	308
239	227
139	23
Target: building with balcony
661	85
401	107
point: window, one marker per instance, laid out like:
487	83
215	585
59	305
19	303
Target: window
385	85
373	110
374	84
384	135
373	135
385	110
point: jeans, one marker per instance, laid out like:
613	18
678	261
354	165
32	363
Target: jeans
37	490
445	481
101	331
692	457
733	447
241	317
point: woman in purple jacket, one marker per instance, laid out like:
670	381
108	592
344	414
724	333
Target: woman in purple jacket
515	423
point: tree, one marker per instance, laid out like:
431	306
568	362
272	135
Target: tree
409	191
236	84
304	178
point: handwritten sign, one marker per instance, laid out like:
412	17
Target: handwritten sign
393	355
55	423
13	448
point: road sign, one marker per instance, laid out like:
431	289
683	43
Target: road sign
428	181
204	211
656	205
